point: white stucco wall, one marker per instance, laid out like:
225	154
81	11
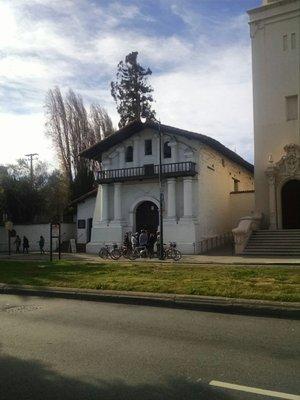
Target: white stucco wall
33	233
216	174
241	204
115	157
85	210
276	74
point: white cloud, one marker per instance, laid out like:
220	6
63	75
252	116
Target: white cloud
215	101
199	85
22	135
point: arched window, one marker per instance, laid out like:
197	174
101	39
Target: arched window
129	154
167	150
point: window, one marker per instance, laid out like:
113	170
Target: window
129	154
167	150
148	147
235	185
81	224
284	42
293	40
291	103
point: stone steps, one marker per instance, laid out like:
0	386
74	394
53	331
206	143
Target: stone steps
283	242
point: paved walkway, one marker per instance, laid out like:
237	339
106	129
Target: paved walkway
188	259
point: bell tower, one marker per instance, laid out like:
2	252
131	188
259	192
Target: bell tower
275	39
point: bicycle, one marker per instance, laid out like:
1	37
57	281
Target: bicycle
126	251
106	253
172	252
140	252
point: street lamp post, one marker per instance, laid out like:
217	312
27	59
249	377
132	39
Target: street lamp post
161	193
161	196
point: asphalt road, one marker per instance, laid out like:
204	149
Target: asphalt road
68	349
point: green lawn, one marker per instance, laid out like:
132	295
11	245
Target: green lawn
280	283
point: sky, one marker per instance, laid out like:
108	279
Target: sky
199	52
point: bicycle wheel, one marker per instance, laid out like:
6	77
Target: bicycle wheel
176	255
134	255
168	254
164	255
115	254
103	253
126	253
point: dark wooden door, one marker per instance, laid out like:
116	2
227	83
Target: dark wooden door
149	169
290	199
147	217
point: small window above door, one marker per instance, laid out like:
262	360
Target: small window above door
167	150
129	154
148	147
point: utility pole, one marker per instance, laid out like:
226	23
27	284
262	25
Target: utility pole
31	155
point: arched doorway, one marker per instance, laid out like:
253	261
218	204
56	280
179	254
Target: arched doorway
290	201
146	216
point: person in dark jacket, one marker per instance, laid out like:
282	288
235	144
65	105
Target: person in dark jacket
18	243
151	243
42	244
25	244
143	238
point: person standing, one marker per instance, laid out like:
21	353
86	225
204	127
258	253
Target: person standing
18	243
42	244
134	241
151	242
25	245
143	239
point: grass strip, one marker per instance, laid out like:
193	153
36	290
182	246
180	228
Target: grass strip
278	283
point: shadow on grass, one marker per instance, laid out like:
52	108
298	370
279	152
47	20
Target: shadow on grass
31	380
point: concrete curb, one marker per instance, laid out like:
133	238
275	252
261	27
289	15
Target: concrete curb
201	303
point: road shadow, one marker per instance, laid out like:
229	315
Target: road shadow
32	380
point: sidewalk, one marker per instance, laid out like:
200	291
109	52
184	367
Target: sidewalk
186	259
201	303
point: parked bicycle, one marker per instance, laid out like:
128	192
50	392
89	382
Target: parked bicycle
140	252
172	252
126	251
113	253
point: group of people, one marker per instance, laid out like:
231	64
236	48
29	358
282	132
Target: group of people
25	244
142	239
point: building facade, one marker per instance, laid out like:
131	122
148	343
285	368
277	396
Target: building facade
85	206
199	173
275	36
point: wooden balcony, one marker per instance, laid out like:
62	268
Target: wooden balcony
148	171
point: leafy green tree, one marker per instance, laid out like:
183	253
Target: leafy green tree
23	201
131	91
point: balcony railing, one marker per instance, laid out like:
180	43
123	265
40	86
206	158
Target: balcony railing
148	171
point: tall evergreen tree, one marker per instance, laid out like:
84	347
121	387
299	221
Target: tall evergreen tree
131	91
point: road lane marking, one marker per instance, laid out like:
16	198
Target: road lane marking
255	390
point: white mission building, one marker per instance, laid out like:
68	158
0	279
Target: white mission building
201	182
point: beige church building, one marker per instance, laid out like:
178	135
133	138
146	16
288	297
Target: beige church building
275	37
202	182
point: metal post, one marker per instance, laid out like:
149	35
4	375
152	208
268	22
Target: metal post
161	196
59	250
51	241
